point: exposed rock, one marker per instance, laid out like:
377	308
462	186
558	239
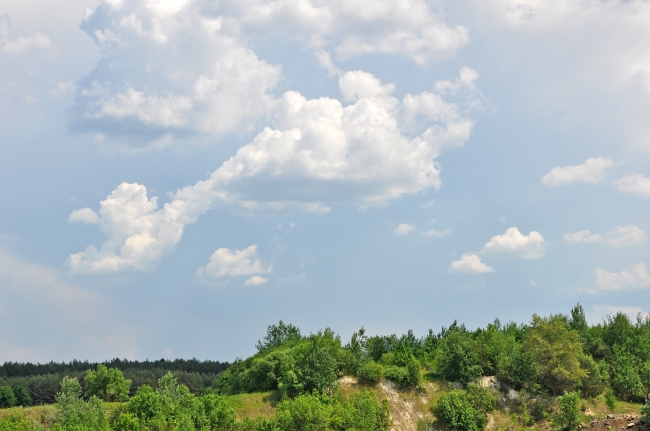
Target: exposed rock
629	422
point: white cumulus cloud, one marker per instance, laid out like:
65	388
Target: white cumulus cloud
319	152
84	215
469	263
514	243
634	184
625	236
404	228
592	171
637	278
155	91
405	27
233	263
137	232
255	280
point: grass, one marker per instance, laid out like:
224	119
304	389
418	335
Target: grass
255	404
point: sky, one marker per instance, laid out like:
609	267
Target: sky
176	175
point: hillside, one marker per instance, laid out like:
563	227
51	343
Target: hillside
556	372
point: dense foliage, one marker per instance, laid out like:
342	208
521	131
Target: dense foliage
461	410
552	355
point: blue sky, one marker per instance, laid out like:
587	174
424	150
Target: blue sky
175	175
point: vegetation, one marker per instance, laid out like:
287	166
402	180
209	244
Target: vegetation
294	380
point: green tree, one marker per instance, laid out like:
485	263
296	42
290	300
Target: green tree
462	410
22	396
555	350
458	359
303	413
74	413
363	412
219	412
7	397
625	378
107	384
595	382
279	334
370	372
567	418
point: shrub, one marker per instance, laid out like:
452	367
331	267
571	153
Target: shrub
22	396
75	414
220	414
370	373
610	400
408	376
17	421
455	410
458	359
539	411
7	397
365	413
567	418
645	410
126	422
303	413
108	384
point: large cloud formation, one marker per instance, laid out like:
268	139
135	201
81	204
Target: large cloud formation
180	69
318	152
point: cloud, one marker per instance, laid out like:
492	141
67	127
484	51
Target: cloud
318	153
625	236
138	233
84	215
434	232
592	171
583	236
618	237
637	278
233	263
255	280
407	28
634	184
515	244
37	40
469	263
149	90
404	228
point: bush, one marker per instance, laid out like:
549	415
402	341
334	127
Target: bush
370	373
610	400
645	410
220	414
406	377
458	359
77	415
567	418
365	413
303	413
17	421
108	384
7	397
456	411
22	397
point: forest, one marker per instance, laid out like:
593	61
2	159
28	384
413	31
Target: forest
554	372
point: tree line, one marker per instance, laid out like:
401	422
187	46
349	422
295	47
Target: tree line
559	357
26	369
